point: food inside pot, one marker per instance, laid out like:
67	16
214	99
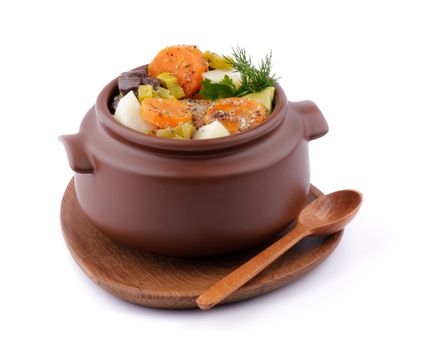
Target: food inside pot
187	94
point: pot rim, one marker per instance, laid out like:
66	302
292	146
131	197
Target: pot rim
107	119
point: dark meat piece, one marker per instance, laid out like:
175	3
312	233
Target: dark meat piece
115	102
141	69
129	81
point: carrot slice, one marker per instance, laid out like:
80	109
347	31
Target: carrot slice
185	62
236	114
165	113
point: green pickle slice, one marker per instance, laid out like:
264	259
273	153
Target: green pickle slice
165	93
146	91
184	131
217	61
265	97
171	83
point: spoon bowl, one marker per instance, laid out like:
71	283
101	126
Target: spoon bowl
330	213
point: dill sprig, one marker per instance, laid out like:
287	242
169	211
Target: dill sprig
254	78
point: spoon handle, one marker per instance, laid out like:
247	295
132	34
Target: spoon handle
237	278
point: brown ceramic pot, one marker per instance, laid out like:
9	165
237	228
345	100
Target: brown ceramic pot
193	198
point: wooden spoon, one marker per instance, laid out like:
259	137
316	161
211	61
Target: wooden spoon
325	215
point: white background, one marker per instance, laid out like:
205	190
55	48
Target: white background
372	68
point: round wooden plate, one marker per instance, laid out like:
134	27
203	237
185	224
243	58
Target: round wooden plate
174	283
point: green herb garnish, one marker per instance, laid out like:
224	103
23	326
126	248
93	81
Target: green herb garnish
254	79
213	91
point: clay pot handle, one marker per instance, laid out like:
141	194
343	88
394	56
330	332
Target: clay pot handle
77	155
315	124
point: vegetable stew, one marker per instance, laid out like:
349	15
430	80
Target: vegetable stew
185	93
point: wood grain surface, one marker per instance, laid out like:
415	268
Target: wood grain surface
175	283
